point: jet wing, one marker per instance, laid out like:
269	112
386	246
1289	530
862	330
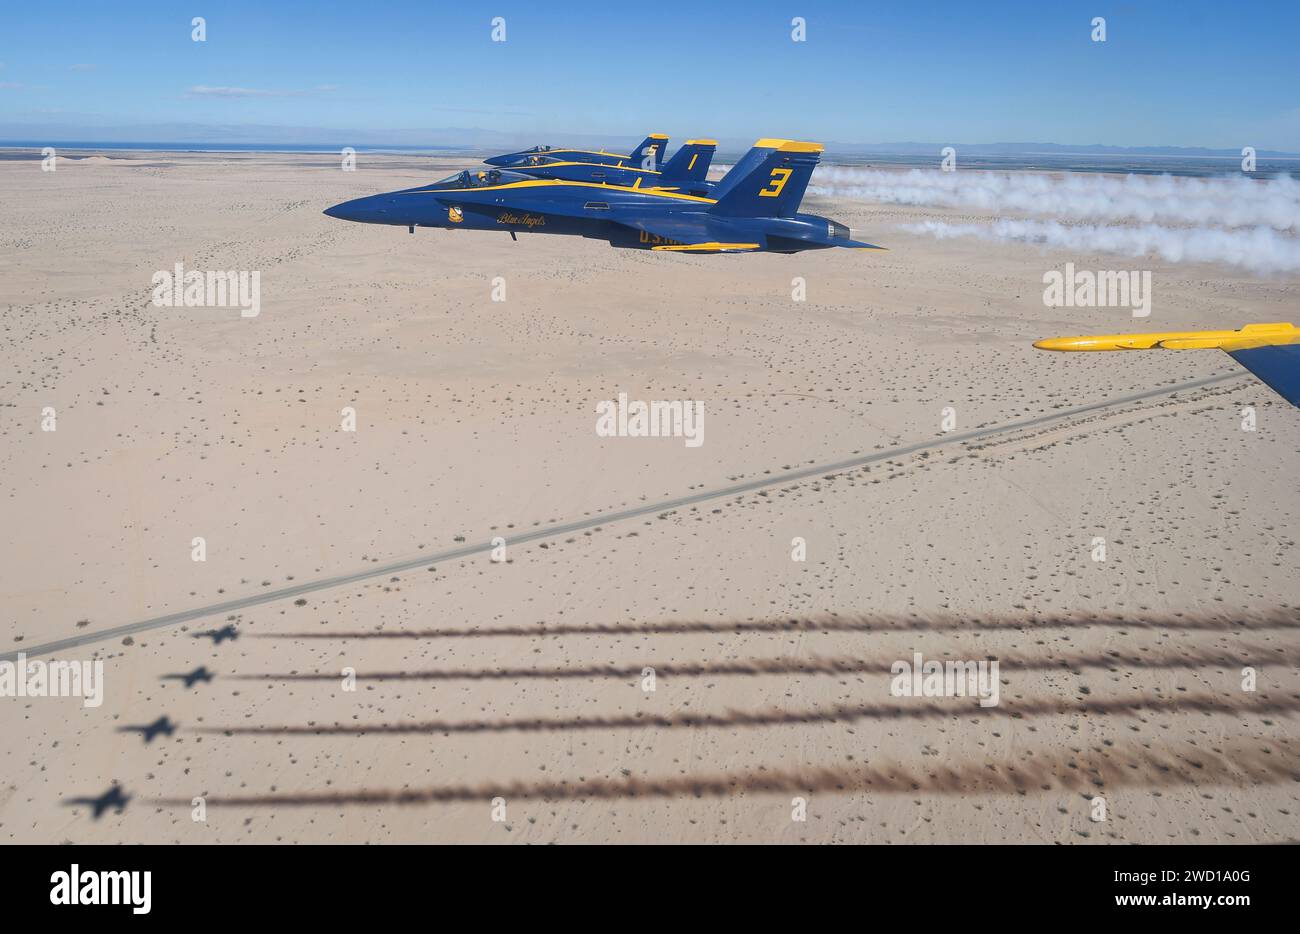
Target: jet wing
1270	351
710	246
1278	366
689	234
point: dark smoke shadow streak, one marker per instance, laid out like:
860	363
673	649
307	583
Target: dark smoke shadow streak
1129	767
1161	660
841	713
1281	618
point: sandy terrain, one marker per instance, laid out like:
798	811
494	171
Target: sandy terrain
522	679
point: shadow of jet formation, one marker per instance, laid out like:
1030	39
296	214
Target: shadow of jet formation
219	636
113	798
191	678
161	726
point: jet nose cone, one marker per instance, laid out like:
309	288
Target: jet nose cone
346	210
363	210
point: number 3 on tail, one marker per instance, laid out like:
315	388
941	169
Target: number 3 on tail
776	183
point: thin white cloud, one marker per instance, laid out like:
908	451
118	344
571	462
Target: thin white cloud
82	66
204	90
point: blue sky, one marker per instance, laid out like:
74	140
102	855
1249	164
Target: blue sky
1170	73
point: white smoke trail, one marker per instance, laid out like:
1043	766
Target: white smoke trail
1260	249
1147	199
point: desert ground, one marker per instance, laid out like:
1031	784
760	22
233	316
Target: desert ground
506	701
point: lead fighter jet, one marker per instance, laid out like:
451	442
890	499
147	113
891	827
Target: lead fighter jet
755	208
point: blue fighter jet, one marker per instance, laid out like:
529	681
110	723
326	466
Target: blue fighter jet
648	154
686	171
755	208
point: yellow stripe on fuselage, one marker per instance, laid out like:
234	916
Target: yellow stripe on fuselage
590	152
594	165
547	182
595	152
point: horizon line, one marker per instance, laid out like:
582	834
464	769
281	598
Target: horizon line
1096	150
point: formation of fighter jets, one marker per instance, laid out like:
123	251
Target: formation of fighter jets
636	201
641	201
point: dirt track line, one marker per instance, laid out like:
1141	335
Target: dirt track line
606	518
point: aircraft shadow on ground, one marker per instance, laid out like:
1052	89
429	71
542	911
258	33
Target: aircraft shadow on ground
1136	765
955	708
1254	656
1280	618
1132	766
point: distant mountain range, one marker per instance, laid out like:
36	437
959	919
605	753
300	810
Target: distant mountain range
201	136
